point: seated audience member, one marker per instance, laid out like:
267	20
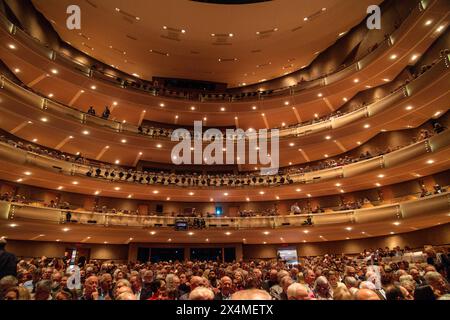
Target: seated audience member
322	289
437	282
226	289
43	290
194	283
106	113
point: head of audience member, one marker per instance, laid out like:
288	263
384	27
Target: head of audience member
298	291
11	293
226	286
310	277
201	293
43	290
342	293
251	294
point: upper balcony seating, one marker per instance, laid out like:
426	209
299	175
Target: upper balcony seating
100	71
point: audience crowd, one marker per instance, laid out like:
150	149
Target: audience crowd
380	274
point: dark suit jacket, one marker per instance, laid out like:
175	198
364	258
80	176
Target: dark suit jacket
8	264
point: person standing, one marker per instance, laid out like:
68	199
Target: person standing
8	261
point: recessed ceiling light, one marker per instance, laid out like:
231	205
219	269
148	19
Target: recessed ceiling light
191	193
325	155
306	231
386	80
437	113
129	196
123	141
319	95
155	191
328	137
338	184
222	109
54	71
396	223
381	175
230	35
430	161
408	108
348	228
170	240
19	180
192	108
393	56
58	240
261	192
85	132
159	145
440	28
290	163
65	229
97	192
358	142
428	22
345	99
16	70
264	242
190	233
75	182
298	190
316	115
204	119
225	194
254	107
391	232
356	80
342	191
378	184
309	195
117	161
60	187
168	199
44	119
266	232
291	144
11	46
366	126
414	57
305	19
93	87
286	103
247	199
228	233
27	173
117	188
